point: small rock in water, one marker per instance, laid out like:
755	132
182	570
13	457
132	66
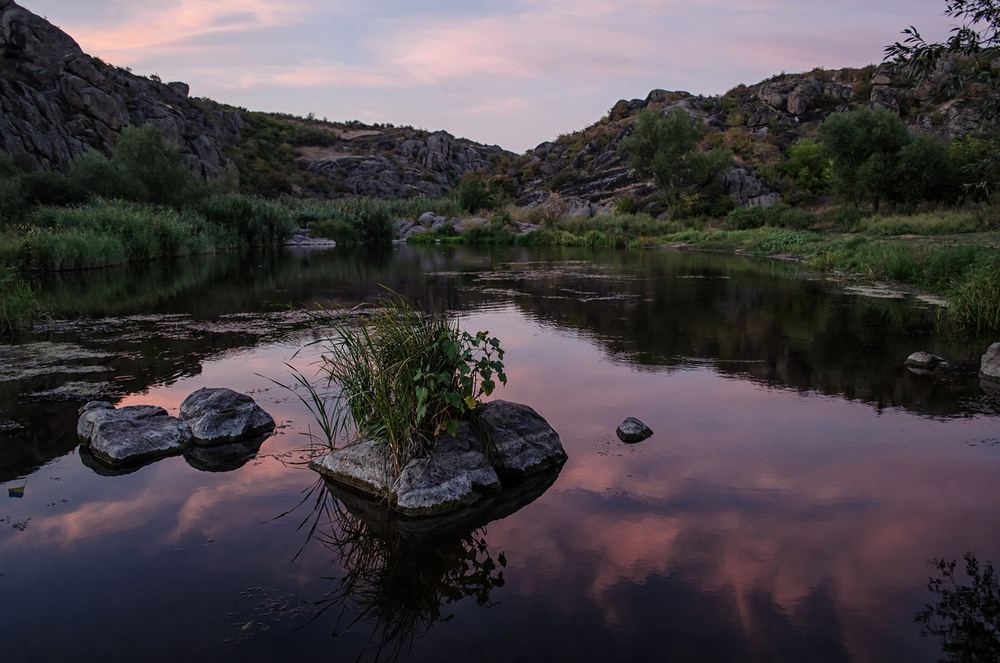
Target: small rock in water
925	362
632	430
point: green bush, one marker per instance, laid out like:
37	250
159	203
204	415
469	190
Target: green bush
777	216
338	230
253	220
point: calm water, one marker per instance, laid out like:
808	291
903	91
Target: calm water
797	484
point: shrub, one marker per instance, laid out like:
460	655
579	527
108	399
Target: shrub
254	220
339	231
778	216
403	377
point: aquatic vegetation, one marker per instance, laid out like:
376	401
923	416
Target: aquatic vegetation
18	305
401	376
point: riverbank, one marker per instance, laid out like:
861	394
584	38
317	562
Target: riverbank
951	253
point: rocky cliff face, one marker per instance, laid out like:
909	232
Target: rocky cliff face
397	162
59	102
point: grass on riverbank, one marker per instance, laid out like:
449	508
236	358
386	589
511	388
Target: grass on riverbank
953	253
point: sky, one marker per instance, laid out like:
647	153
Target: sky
512	73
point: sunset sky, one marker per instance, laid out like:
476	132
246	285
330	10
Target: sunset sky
508	73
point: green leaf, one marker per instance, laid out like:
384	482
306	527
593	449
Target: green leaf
451	426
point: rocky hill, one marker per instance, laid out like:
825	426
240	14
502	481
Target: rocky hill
59	102
582	173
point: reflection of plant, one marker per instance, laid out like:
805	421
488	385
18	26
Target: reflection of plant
966	617
398	587
404	376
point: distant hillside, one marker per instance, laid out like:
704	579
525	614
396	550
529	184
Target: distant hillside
59	102
582	173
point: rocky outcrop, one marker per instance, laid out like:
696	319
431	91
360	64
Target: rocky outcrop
458	473
59	102
395	163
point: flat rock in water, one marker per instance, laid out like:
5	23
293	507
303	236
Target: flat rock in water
220	415
632	430
132	434
990	367
457	474
523	441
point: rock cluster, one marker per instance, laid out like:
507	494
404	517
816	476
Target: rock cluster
59	102
458	473
140	433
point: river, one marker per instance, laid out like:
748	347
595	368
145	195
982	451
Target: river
797	484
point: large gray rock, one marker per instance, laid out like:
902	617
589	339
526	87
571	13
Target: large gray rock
458	473
132	434
989	369
522	440
219	415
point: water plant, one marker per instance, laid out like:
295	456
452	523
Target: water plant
401	376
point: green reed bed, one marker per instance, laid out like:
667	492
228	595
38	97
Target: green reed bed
402	377
18	306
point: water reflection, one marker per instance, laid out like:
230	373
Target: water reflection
392	583
966	617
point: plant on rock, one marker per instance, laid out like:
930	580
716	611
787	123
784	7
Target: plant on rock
403	376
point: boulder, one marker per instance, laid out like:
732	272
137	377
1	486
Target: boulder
523	442
632	430
989	369
131	435
457	474
222	415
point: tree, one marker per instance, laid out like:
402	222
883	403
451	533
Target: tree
875	158
975	43
864	145
156	164
665	148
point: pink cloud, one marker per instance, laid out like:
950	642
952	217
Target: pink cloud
185	19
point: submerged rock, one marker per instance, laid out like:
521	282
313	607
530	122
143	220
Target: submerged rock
222	415
132	434
458	473
632	430
989	369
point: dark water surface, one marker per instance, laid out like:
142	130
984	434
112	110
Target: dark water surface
797	484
